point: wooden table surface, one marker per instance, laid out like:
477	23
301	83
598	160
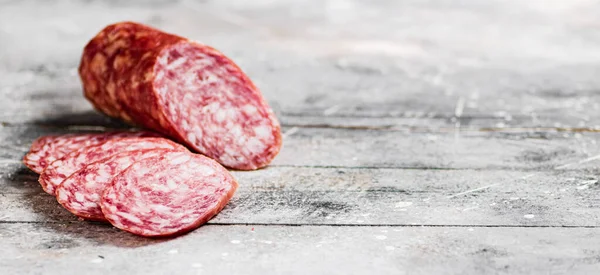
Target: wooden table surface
420	137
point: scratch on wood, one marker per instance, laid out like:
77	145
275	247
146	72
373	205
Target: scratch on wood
458	111
577	163
534	174
290	132
331	110
470	208
460	106
528	176
472	190
586	184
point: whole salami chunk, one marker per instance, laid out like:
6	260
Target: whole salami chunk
60	169
167	195
183	89
80	193
47	149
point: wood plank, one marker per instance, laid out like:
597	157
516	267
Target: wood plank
73	249
432	123
397	113
82	115
445	150
288	195
513	75
74	111
325	147
50	99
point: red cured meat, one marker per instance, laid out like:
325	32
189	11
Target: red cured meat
167	195
80	193
47	149
181	88
39	143
60	169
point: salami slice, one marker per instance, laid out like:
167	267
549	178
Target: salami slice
40	142
184	89
167	195
47	149
60	169
80	193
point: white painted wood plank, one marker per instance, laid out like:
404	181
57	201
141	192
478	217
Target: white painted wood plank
327	147
361	85
281	195
450	150
73	249
313	65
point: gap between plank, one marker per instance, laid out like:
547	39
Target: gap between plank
410	225
388	127
333	224
533	170
375	167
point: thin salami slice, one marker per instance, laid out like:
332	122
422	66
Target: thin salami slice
80	193
60	169
167	195
47	149
184	89
40	142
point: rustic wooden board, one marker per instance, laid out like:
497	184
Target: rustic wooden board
430	137
290	195
43	96
399	59
75	249
331	147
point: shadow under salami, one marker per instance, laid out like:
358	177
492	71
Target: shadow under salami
84	119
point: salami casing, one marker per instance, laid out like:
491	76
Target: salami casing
181	88
47	149
60	169
167	195
80	193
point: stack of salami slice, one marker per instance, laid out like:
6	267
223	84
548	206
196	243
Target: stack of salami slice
142	182
137	181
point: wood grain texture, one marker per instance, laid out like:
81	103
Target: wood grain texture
74	249
331	147
526	63
420	137
342	196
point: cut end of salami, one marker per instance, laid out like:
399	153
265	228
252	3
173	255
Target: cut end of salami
214	107
167	195
183	89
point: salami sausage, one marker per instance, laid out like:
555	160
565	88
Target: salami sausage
80	193
60	169
36	159
47	149
184	89
167	195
